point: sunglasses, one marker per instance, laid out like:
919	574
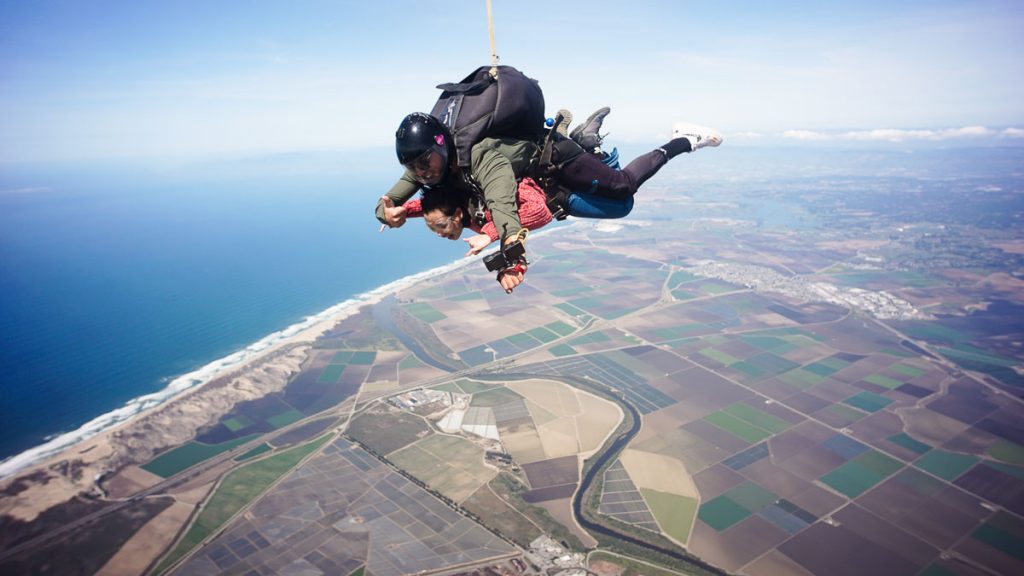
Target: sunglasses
420	163
442	225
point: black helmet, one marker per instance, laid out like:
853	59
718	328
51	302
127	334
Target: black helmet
419	133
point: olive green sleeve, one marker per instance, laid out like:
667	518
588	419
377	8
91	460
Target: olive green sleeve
493	172
405	188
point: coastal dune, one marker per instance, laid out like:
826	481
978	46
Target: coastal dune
74	463
78	470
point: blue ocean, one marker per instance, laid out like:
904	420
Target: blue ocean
115	278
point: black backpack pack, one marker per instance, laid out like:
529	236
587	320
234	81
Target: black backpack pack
481	106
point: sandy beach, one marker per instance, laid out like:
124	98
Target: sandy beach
49	476
76	469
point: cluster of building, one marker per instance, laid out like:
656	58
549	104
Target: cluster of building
552	558
881	304
420	397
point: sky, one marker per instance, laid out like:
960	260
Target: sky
199	79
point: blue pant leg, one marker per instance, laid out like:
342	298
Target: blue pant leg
585	205
589	205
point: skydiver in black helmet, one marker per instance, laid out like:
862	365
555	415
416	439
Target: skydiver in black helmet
425	148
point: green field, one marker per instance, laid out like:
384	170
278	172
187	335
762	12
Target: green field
473	386
448	464
674	513
864	279
473	295
285	418
680	294
261	449
997	534
332	372
945	465
543	334
773	344
410	361
751	496
238	489
757	417
385	433
494	397
424	312
735	505
1008	452
715	287
907	370
821	369
718	356
458	452
679	277
591	338
495	511
868	401
766	364
448	387
737	427
183	457
342	357
237	423
746	422
903	439
560	328
862	473
562	350
363	357
721	513
573	311
802	378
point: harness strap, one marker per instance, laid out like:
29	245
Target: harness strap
477	203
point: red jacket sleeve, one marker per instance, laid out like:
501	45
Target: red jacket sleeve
532	205
413	209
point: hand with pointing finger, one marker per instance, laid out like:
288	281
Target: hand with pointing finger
394	216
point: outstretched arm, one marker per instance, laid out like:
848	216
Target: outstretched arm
394	200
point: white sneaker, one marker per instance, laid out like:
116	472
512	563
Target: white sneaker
699	136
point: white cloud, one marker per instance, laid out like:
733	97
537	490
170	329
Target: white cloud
900	135
27	190
896	135
748	135
806	135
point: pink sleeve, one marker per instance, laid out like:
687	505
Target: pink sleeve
413	209
533	205
489	228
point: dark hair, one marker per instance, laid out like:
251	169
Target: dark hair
445	199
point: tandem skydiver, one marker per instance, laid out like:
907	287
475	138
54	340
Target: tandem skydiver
583	184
